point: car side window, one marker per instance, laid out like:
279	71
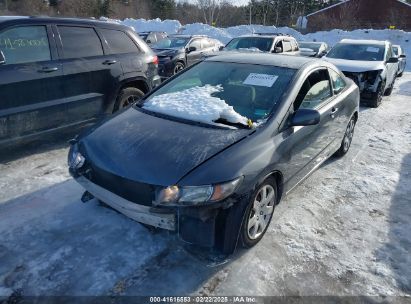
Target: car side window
389	53
294	45
80	42
279	44
337	81
25	44
287	46
196	43
315	91
119	42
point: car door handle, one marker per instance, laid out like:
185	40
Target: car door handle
48	70
109	62
333	111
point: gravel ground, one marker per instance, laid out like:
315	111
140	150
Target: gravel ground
344	231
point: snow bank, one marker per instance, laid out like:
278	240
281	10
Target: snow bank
226	34
143	25
195	104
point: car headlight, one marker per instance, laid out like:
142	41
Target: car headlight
75	159
196	195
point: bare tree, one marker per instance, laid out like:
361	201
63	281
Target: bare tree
210	9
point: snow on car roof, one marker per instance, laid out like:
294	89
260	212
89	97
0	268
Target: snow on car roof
364	41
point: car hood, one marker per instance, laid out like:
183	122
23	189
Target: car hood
166	52
356	66
154	150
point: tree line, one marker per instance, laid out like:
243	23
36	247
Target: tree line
220	13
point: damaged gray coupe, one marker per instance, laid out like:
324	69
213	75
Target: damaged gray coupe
211	152
370	63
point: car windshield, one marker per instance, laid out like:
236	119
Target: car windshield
309	45
171	43
395	50
261	43
365	52
221	92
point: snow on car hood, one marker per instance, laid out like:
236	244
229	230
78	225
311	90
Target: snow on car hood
356	66
155	150
195	104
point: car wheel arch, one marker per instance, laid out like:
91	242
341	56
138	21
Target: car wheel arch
279	178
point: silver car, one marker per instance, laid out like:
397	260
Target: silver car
402	63
372	65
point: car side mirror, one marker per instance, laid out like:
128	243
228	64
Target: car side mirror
148	41
221	48
2	58
191	49
403	56
305	117
392	60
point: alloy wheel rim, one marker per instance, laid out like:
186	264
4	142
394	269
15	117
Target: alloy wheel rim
349	134
178	68
261	212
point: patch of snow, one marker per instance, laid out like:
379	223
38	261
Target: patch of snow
196	104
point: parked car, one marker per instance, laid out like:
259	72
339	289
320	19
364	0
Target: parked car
211	152
177	52
265	42
313	49
402	63
59	73
152	37
370	63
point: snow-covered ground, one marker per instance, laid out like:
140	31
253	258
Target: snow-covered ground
344	231
226	34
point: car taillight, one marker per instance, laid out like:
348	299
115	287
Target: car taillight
155	60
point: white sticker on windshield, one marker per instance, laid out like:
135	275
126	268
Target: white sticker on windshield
373	49
263	80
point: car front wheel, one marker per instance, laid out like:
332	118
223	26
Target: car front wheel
259	213
377	98
127	97
178	67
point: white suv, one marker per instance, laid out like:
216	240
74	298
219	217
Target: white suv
370	63
265	42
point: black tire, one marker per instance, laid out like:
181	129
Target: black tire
347	140
377	98
178	67
250	236
126	97
389	90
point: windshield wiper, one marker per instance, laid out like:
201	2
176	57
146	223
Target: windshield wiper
239	125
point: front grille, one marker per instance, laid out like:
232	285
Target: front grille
136	192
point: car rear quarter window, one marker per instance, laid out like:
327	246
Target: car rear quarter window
80	42
287	46
119	42
25	44
338	82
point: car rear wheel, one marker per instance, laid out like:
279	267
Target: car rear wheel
377	98
259	213
127	97
347	140
178	67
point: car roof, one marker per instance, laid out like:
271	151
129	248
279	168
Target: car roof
188	36
286	61
12	20
363	41
313	42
